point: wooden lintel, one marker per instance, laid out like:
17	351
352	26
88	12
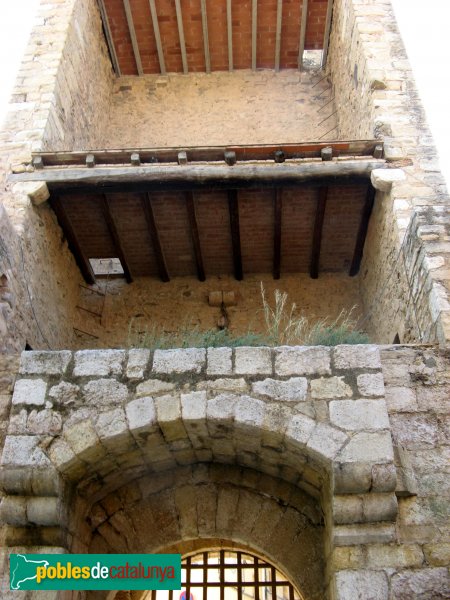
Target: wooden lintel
233	206
81	259
112	228
278	208
154	236
132	32
362	232
318	228
190	204
159	48
301	48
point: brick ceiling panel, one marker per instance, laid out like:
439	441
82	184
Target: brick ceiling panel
256	209
297	225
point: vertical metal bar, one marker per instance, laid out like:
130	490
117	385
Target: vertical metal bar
109	38
188	578
222	575
301	48
256	572
205	576
326	36
273	578
230	35
254	31
181	36
205	36
134	42
162	65
278	34
239	576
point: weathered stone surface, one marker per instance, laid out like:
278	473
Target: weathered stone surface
43	511
219	361
23	450
81	436
193	406
153	387
224	385
300	429
13	510
45	363
64	393
400	399
363	584
415	431
368	447
44	422
371	384
292	390
190	360
137	363
299	360
383	179
358	415
437	555
104	392
326	441
168	411
377	533
29	391
98	362
111	423
363	356
249	411
330	387
141	413
253	361
426	584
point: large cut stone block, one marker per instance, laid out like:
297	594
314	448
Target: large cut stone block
292	390
137	363
189	360
357	415
98	362
45	363
359	356
299	360
370	585
29	391
253	361
219	361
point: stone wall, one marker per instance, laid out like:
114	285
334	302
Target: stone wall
376	97
102	444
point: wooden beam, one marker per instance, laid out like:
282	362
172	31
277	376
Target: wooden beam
233	206
278	34
318	228
230	35
132	32
190	203
201	176
278	208
181	37
254	31
159	48
109	38
362	232
110	223
154	236
326	36
205	36
81	259
301	48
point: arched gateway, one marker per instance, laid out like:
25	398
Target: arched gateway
282	453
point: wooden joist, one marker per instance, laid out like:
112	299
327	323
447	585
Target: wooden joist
278	207
318	228
278	34
109	38
159	49
205	36
115	237
326	35
181	36
132	32
81	259
154	236
190	204
233	207
301	48
230	35
362	232
254	32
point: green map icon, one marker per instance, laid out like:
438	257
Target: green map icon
23	569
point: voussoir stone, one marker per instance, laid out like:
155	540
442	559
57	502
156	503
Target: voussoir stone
29	391
253	361
111	423
302	360
292	390
44	362
98	362
300	429
141	413
326	441
357	415
193	406
183	360
249	411
137	363
358	356
330	387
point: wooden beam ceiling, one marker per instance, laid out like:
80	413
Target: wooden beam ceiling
318	228
233	206
154	236
190	203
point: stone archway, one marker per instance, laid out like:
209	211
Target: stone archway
88	426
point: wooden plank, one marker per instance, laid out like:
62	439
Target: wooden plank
304	21
154	236
362	232
159	48
190	204
278	208
230	35
254	31
326	36
202	176
278	34
204	153
318	228
205	36
181	37
233	207
112	228
81	259
132	32
109	38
